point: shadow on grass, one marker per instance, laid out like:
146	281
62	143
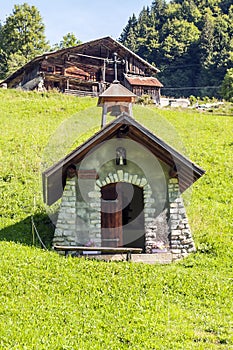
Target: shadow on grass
23	233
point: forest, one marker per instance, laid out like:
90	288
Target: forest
190	41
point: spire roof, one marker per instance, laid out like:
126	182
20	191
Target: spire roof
117	90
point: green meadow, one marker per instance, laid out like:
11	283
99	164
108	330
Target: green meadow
49	302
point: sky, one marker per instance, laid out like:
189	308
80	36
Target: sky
88	20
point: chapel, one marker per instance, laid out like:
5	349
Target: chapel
123	187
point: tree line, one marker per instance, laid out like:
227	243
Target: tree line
190	41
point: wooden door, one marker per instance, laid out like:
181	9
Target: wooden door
111	216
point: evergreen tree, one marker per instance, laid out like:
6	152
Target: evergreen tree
190	41
128	36
206	43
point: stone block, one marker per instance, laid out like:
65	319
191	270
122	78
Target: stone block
70	210
58	233
94	222
174	226
58	240
173	205
173	181
148	220
176	251
68	193
174	217
120	175
95	215
66	203
147	205
146	194
71	221
115	177
126	177
143	182
107	179
179	200
175	242
186	232
130	178
150	236
98	183
95	205
175	232
181	226
134	180
174	211
188	241
111	177
94	194
149	200
63	226
149	210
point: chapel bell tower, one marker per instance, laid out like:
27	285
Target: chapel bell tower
115	100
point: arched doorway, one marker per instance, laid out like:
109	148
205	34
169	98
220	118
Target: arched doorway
122	215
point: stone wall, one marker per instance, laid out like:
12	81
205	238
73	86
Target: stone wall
65	233
79	221
181	241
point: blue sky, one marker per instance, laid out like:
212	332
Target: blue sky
86	19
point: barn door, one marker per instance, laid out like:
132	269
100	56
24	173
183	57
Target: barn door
111	216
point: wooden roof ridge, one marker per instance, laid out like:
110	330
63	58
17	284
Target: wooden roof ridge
188	171
78	47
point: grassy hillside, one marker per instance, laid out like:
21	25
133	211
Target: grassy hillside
48	302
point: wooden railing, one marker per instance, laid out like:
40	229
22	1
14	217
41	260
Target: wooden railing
80	93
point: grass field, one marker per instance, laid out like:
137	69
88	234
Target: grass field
48	302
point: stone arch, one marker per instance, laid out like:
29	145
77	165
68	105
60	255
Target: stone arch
95	202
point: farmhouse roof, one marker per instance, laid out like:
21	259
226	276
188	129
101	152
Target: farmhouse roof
143	81
106	41
54	177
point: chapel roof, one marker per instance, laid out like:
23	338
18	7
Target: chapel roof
117	90
55	176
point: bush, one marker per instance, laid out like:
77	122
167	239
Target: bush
227	86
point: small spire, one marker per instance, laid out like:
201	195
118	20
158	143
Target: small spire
116	100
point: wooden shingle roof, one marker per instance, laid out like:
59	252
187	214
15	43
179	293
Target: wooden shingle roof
143	81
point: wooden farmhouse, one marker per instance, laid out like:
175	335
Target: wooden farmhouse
122	189
88	69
